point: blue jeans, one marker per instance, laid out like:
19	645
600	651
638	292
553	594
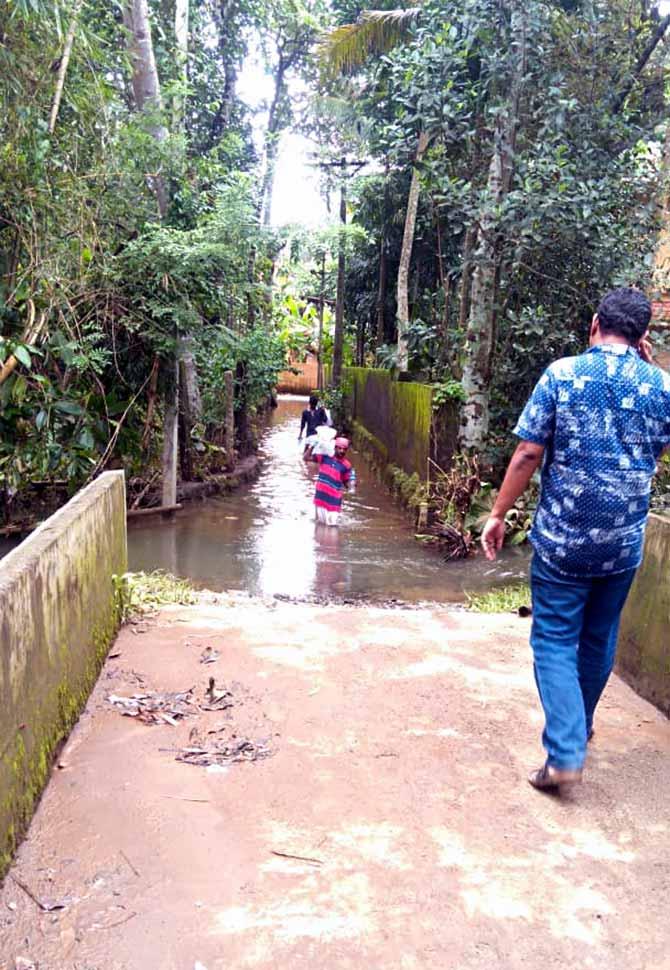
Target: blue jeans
574	637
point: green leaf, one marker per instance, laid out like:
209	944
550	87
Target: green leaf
85	440
69	407
19	389
41	419
22	354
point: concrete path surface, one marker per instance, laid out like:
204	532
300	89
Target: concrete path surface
391	827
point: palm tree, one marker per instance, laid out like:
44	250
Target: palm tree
343	51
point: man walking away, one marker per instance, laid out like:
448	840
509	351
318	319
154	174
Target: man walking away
313	417
599	423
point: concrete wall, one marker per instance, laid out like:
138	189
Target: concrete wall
58	616
400	417
643	657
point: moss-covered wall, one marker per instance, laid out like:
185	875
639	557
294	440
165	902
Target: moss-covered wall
410	490
643	657
401	417
58	616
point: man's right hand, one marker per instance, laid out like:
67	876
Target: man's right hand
493	537
644	349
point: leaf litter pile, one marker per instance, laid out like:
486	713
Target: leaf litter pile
156	707
164	707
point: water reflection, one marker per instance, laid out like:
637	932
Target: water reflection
263	538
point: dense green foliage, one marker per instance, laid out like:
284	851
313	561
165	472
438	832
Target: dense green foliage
96	288
131	228
578	215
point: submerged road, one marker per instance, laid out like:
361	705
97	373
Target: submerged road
263	539
383	820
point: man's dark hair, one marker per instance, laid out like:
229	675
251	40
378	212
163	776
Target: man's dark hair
313	401
625	312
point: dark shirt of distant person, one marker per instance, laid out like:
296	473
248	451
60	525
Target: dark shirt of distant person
313	417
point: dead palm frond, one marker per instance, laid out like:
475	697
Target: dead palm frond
345	49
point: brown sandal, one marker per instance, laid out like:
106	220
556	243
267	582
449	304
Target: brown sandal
554	780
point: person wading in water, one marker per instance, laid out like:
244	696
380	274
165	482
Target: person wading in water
598	424
334	477
313	417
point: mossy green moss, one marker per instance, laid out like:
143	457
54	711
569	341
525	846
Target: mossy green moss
408	489
26	763
398	414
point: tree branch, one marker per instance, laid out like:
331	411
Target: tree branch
62	69
643	59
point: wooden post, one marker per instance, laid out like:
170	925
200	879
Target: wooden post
229	428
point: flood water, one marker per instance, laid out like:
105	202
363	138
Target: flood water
263	538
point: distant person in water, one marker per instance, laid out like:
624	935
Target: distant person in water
334	477
313	417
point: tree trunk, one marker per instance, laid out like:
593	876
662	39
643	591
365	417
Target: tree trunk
360	341
380	328
192	400
146	87
229	427
151	402
445	357
338	340
661	277
62	69
147	93
181	17
272	136
380	335
191	404
322	299
469	244
406	255
241	412
480	336
171	437
224	16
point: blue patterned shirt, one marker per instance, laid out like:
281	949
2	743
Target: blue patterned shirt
604	419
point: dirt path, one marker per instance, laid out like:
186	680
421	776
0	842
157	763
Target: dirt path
390	829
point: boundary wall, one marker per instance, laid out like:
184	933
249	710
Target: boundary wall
59	612
643	653
399	417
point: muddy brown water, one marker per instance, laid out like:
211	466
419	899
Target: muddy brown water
263	538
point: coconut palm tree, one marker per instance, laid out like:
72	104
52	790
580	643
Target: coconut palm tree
343	51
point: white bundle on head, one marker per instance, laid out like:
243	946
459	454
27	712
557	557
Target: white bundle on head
325	444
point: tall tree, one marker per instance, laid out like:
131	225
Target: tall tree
289	28
406	254
345	50
145	82
480	333
147	91
181	27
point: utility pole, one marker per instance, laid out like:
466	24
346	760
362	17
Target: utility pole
346	167
338	342
322	304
